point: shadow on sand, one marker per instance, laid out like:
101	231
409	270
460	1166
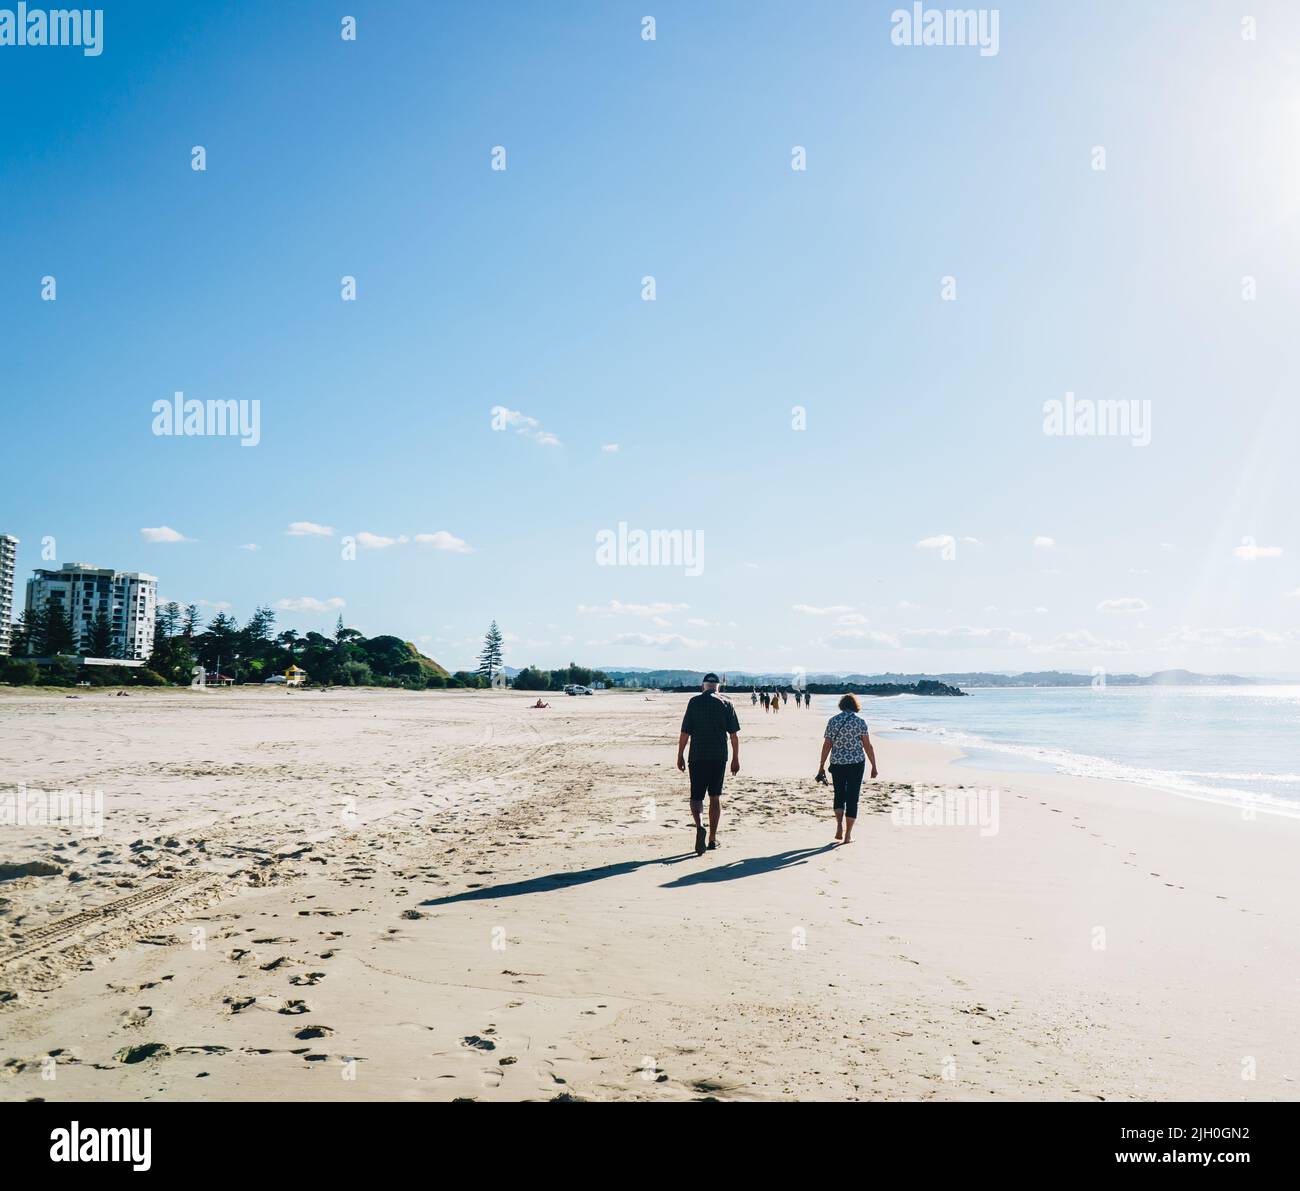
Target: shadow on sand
751	867
552	881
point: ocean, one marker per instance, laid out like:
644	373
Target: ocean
1238	745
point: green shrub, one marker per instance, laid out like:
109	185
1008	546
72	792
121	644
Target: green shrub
20	672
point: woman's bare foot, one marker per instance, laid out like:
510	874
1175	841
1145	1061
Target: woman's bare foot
848	839
839	834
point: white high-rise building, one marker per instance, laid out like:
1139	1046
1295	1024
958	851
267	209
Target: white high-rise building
8	567
128	599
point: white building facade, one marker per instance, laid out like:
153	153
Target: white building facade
128	599
8	569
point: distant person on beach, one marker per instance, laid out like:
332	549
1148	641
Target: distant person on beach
709	720
539	703
798	698
776	700
848	745
766	706
753	698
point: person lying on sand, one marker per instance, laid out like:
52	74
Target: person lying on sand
538	704
848	746
709	720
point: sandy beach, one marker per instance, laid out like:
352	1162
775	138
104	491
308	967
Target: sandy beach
380	895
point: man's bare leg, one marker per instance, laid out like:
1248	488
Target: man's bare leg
715	813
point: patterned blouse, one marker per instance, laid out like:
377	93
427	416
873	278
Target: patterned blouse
845	732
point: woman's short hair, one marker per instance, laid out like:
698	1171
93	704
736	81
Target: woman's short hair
849	702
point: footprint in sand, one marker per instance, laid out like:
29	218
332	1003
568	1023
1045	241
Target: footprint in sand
136	1016
307	978
145	1050
294	1007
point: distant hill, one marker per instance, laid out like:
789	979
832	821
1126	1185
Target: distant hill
392	657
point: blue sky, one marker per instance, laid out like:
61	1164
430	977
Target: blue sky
775	288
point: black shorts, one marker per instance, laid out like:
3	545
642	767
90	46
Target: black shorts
706	778
848	785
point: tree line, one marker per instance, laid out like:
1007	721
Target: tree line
252	653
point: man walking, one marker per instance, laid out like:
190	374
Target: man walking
709	720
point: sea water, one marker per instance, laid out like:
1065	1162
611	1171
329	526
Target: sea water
1237	744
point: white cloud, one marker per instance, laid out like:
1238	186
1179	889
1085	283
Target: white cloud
861	639
851	618
164	533
617	608
1292	595
520	423
442	540
1044	543
813	610
310	604
964	637
610	448
1082	641
1186	635
250	546
1124	604
658	640
373	541
1250	550
309	529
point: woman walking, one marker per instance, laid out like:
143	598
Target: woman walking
848	746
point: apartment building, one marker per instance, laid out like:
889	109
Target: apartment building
127	598
8	569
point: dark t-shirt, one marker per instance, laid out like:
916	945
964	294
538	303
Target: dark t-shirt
708	719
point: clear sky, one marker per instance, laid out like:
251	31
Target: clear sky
775	288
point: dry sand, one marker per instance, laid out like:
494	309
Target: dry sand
383	895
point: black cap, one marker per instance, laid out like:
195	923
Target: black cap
711	677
